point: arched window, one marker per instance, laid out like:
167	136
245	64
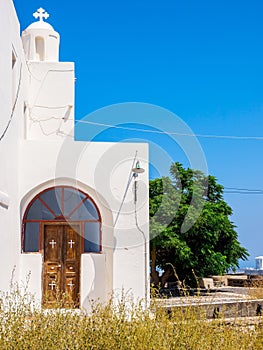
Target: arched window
61	204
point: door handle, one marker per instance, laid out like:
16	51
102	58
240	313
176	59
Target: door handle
58	265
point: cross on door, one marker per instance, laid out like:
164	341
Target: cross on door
71	244
52	285
53	243
71	285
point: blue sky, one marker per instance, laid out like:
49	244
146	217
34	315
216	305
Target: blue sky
201	60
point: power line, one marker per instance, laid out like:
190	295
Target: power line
232	137
130	177
243	189
42	80
51	107
57	131
235	190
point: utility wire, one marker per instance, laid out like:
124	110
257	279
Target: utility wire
42	80
126	189
144	240
51	107
232	137
234	190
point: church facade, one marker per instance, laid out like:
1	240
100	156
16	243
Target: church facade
69	221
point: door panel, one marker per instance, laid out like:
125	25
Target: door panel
62	250
71	243
52	262
53	242
71	294
72	250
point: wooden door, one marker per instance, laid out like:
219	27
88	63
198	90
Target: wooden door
61	275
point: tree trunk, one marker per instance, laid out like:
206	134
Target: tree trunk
169	272
154	273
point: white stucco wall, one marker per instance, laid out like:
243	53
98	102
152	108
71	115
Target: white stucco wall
84	165
31	273
13	91
93	279
35	156
50	104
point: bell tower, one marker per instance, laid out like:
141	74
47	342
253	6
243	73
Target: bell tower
49	109
40	40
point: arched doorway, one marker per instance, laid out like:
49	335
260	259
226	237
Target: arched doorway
61	223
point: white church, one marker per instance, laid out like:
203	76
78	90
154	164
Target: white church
73	215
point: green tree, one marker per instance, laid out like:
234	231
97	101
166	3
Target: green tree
190	227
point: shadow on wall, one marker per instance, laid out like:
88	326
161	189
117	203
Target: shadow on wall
93	283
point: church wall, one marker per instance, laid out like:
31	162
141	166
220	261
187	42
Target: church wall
13	91
36	154
132	245
51	100
31	273
112	168
93	279
101	170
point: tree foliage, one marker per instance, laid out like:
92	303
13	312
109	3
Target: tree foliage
190	226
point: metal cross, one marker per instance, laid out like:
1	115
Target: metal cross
71	285
52	285
41	13
53	243
71	244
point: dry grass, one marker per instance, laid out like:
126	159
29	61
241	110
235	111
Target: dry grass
256	288
256	293
23	325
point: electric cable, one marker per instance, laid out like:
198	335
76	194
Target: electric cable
256	138
57	132
130	177
51	107
144	239
42	81
235	190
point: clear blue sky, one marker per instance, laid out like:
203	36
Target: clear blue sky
202	60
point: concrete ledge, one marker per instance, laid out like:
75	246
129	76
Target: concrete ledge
225	308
